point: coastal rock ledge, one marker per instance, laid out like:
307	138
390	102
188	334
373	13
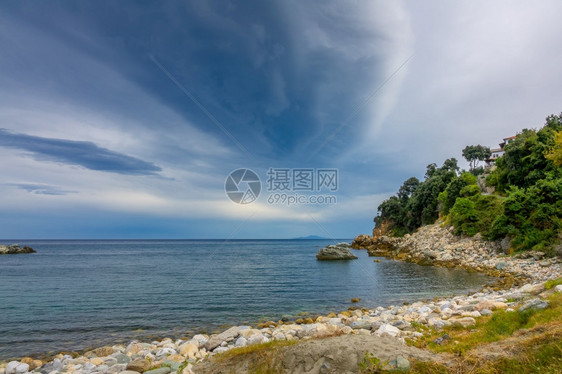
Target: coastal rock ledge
15	249
333	252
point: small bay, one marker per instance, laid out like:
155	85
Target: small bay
74	294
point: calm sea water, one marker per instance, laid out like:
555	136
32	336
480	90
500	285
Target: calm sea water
77	294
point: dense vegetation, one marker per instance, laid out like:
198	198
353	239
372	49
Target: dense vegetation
526	206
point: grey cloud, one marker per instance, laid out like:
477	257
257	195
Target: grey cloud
40	189
82	153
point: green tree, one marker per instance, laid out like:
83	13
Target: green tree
448	197
555	153
423	205
524	163
408	188
476	153
532	216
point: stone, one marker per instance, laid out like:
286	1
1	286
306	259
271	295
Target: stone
189	350
332	252
501	265
33	364
160	370
534	304
363	332
88	367
486	312
241	342
176	358
117	368
388	329
134	348
57	364
96	361
475	314
121	358
463	321
533	289
200	339
103	351
363	323
173	365
505	245
128	372
401	324
402	363
441	339
165	352
489	304
558	288
216	340
140	365
256	339
11	367
220	350
346	330
21	368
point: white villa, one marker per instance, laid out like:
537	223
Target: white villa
498	152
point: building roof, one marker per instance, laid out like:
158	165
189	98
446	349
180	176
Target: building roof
511	137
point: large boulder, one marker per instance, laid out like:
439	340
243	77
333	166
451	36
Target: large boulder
225	336
139	365
335	252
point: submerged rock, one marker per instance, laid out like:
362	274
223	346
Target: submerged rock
335	252
15	249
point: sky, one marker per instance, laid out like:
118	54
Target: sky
125	119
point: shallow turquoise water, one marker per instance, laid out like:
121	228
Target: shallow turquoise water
77	294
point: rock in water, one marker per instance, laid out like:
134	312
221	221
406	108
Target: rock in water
15	249
335	252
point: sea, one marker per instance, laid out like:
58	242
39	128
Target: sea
73	295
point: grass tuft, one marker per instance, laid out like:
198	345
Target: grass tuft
552	283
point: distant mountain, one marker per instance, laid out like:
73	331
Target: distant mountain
310	237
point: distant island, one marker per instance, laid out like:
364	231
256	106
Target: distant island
309	237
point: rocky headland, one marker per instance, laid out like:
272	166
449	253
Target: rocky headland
335	343
436	245
15	249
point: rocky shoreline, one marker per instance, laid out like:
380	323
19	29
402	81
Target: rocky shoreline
15	249
522	286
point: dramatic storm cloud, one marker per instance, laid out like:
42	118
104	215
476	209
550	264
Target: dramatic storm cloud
126	119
